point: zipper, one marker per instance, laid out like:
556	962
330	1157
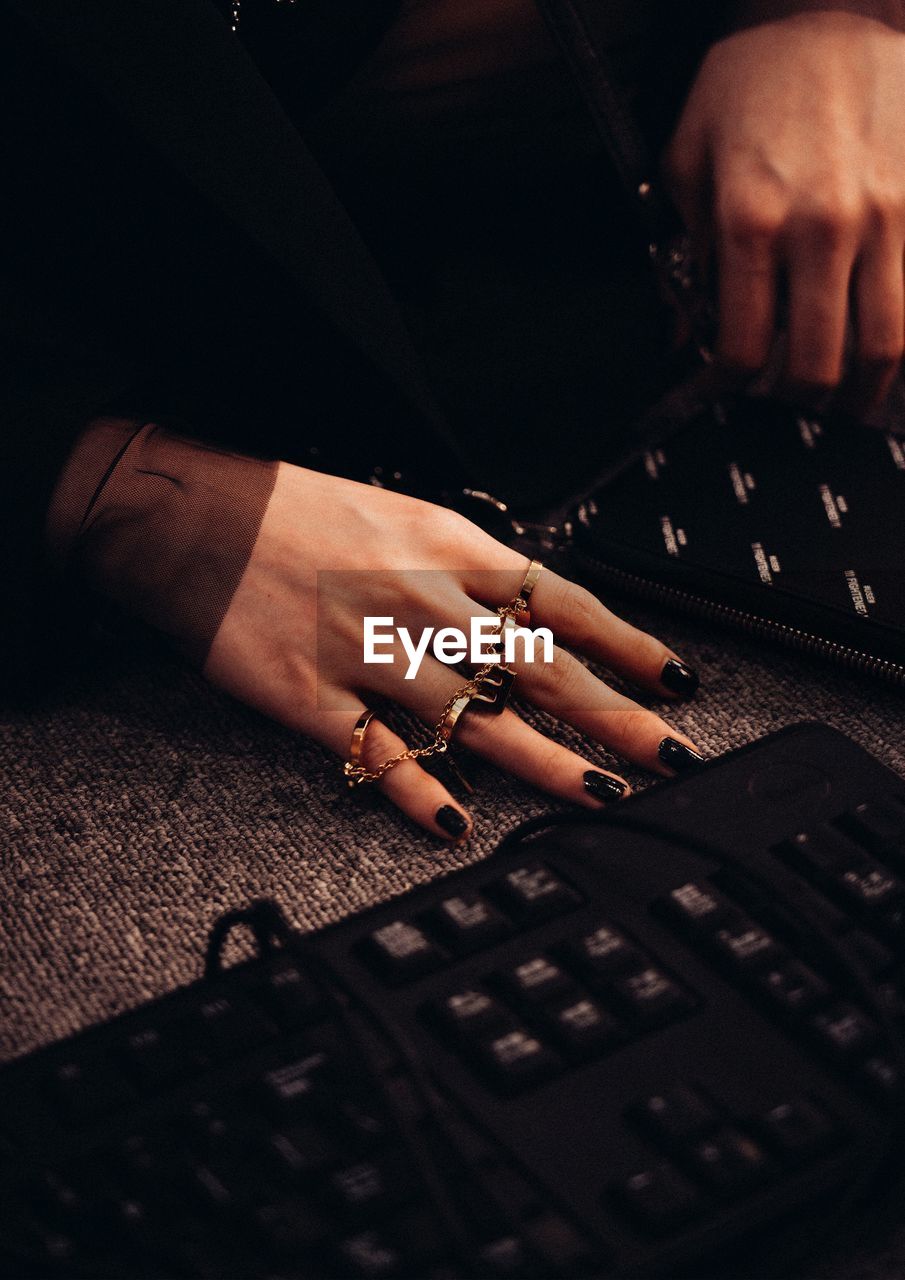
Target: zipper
751	624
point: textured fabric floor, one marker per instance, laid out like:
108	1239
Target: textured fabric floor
143	804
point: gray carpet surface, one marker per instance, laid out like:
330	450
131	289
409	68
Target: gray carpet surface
142	804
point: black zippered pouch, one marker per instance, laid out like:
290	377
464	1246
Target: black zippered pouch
788	527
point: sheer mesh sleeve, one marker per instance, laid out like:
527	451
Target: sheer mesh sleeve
161	524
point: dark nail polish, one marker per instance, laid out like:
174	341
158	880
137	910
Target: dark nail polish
452	820
677	756
602	787
679	679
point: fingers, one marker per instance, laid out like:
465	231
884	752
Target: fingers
516	747
748	263
821	255
419	795
566	689
577	618
512	745
818	250
879	301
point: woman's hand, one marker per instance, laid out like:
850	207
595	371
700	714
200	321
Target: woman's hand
291	644
788	166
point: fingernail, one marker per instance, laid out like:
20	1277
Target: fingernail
602	787
677	756
452	820
679	679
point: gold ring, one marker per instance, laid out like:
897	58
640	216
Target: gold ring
448	723
535	568
353	768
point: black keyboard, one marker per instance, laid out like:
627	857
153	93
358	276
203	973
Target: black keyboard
663	1041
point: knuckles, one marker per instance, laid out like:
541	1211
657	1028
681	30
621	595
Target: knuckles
443	529
584	613
559	678
629	726
748	224
753	217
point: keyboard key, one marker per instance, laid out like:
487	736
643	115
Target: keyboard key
868	886
822	851
205	1125
534	893
216	1190
368	1255
518	1059
302	1151
746	946
535	981
133	1224
604	954
144	1162
371	1187
505	1258
660	1199
845	1031
882	1076
467	922
582	1027
60	1195
360	1119
153	1058
729	1161
401	952
46	1245
290	1091
869	952
652	998
675	1116
362	1185
697	909
877	824
291	997
229	1027
86	1089
560	1247
792	987
472	1015
798	1130
246	1170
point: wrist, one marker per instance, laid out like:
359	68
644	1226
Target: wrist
159	524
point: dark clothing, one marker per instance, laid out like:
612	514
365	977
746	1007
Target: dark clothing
174	251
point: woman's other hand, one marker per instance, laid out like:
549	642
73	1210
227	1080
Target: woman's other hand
788	166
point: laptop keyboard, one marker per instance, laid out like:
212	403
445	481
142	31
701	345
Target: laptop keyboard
620	1047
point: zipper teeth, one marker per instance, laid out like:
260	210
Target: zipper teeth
752	624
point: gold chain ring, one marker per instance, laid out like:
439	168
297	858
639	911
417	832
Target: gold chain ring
356	773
